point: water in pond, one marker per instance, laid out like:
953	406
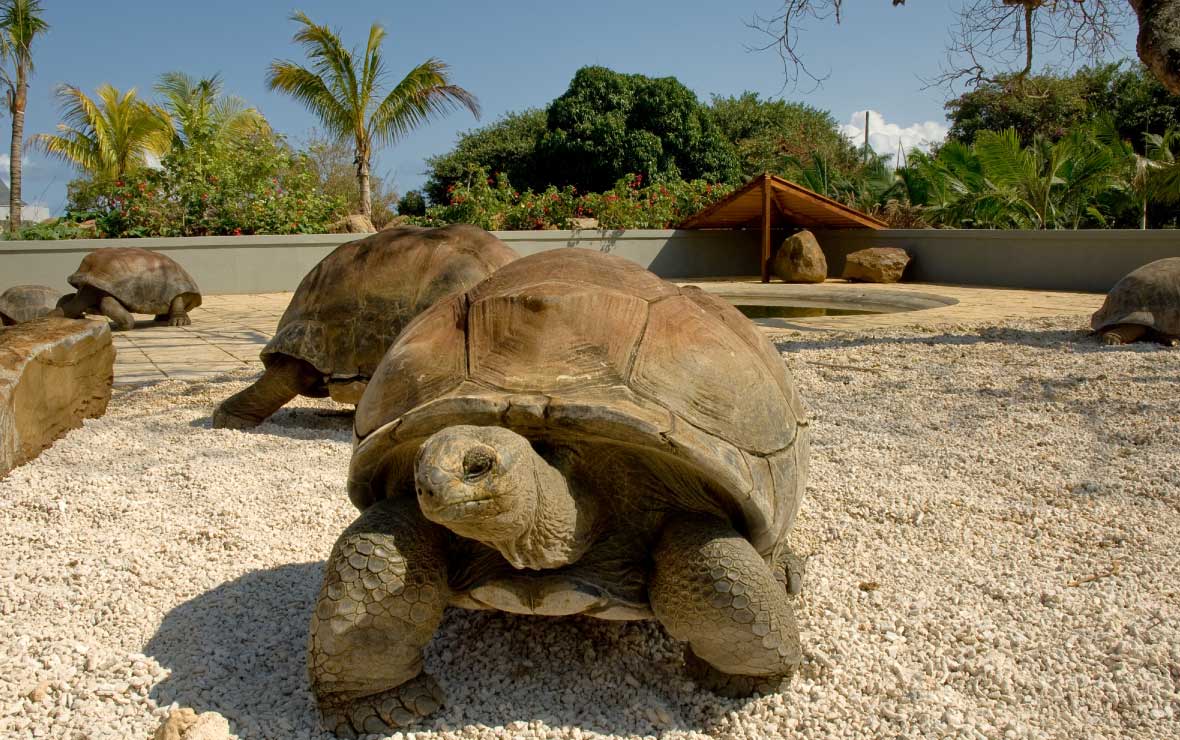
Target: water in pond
795	312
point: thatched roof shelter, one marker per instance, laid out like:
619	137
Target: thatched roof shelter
768	201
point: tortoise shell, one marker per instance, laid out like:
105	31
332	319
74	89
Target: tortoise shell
580	347
1148	296
142	280
22	303
353	304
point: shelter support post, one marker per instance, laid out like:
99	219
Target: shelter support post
765	229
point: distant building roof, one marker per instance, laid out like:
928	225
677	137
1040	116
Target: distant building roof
5	194
789	204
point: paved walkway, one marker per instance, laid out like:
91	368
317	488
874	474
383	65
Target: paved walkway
228	331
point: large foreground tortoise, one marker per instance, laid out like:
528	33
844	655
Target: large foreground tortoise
572	436
22	303
1144	304
119	281
352	305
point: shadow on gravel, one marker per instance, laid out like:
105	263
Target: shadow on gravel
295	422
240	650
1081	340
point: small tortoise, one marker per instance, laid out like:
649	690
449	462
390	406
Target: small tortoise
119	281
22	303
352	305
572	436
1144	304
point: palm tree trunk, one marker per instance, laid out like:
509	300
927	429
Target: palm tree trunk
362	176
18	134
1143	221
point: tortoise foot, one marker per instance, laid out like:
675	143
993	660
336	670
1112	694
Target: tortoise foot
382	713
1111	339
182	320
222	419
730	685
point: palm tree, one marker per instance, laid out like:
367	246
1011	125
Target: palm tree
20	24
200	112
1164	153
348	99
108	136
1045	185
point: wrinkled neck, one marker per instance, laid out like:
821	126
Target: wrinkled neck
561	528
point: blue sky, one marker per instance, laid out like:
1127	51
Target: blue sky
513	55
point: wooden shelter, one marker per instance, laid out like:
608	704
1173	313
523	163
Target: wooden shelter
768	200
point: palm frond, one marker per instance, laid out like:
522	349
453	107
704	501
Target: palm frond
424	93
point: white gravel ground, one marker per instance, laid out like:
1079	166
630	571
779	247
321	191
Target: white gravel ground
992	520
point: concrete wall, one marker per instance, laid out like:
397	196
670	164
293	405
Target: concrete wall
1044	260
263	264
1052	260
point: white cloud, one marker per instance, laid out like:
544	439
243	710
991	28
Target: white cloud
884	137
6	160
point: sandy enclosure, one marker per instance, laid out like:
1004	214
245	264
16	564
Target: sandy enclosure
992	520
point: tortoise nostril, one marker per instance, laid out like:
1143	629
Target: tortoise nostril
436	478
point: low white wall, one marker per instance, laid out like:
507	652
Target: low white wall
1047	260
265	264
1092	260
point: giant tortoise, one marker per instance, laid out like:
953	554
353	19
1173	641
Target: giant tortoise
1144	304
572	436
352	305
119	281
22	303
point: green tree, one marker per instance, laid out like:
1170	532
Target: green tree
201	112
780	137
109	135
509	145
608	124
347	94
412	204
20	25
332	161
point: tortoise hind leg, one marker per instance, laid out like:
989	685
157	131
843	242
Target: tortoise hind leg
113	310
384	592
711	588
285	378
1123	334
177	314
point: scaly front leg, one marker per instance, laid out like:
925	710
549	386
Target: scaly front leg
385	589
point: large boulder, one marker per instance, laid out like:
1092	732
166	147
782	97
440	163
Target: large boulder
800	260
876	265
357	223
53	374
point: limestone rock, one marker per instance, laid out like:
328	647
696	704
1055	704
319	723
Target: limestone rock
876	265
54	373
185	724
800	260
354	224
583	223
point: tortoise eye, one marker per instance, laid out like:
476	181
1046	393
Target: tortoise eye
477	463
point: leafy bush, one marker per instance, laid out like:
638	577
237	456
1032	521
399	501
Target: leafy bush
254	185
492	203
52	230
411	204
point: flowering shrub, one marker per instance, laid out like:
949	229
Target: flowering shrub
257	185
493	204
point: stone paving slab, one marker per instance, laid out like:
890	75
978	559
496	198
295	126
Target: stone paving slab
228	331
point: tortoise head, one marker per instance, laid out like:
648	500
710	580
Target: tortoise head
489	484
71	306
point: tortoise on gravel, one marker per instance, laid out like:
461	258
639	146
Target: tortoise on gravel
22	303
352	305
119	281
572	436
1144	304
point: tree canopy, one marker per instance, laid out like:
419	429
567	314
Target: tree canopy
608	124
